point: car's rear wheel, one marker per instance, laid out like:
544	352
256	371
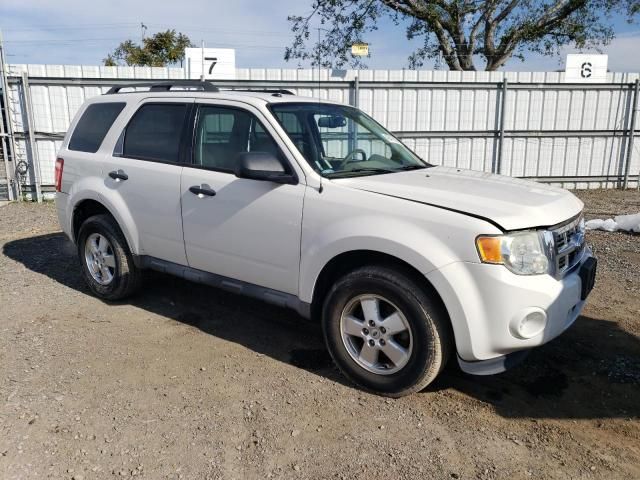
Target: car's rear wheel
384	331
107	263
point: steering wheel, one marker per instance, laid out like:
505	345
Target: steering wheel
349	158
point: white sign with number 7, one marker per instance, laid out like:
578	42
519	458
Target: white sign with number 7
218	63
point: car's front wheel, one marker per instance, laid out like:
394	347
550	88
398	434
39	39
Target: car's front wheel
107	264
384	332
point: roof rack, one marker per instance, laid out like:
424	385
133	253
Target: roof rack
167	86
275	91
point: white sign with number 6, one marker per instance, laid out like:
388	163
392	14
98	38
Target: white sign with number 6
218	63
585	68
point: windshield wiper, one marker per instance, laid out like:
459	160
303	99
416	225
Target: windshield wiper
361	170
411	167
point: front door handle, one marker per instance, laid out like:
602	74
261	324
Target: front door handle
118	175
202	191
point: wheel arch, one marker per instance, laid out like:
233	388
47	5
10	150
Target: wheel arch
348	261
89	207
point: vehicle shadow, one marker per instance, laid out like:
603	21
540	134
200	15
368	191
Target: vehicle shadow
592	371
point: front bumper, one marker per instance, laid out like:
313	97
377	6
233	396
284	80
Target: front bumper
486	304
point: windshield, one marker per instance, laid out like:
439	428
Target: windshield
341	141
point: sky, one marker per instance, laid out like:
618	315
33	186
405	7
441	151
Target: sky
75	32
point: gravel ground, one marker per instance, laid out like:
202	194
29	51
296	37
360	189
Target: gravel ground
184	381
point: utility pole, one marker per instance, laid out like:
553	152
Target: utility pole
143	30
318	61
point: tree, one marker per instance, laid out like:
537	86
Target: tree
158	50
460	32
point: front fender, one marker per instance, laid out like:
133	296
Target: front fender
403	240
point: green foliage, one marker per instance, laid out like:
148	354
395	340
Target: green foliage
459	32
158	50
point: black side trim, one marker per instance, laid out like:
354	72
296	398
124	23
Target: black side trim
274	297
480	217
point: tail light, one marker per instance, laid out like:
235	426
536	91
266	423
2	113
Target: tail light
58	174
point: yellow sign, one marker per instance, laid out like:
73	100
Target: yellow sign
360	49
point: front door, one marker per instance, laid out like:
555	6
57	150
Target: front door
243	229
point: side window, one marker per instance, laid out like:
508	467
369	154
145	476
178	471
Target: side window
93	126
299	135
222	133
154	132
294	128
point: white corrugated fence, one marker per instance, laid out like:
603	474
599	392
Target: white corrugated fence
523	124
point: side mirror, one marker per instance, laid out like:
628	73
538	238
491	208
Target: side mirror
262	166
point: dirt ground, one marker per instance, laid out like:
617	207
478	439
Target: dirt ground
184	381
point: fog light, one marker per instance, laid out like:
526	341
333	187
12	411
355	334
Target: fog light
528	323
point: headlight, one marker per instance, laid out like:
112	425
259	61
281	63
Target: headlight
524	253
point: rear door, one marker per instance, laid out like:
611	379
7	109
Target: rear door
144	171
244	229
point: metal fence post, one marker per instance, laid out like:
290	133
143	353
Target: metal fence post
8	151
35	164
5	158
356	92
632	127
503	104
354	87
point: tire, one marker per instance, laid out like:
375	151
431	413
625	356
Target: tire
123	277
424	343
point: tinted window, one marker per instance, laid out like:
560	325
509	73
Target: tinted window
223	133
93	126
154	132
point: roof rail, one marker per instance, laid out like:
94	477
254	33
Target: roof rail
166	86
275	91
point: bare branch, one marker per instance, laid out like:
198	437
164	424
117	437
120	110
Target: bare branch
461	30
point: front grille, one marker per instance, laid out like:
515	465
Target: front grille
569	245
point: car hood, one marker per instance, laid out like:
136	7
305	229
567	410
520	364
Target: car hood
511	203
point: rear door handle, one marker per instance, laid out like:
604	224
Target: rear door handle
202	191
118	175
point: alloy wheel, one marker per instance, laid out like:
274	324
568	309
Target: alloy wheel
99	258
376	334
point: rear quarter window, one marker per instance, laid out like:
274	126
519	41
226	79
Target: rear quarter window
155	131
93	126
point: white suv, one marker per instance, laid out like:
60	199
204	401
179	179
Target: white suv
314	206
